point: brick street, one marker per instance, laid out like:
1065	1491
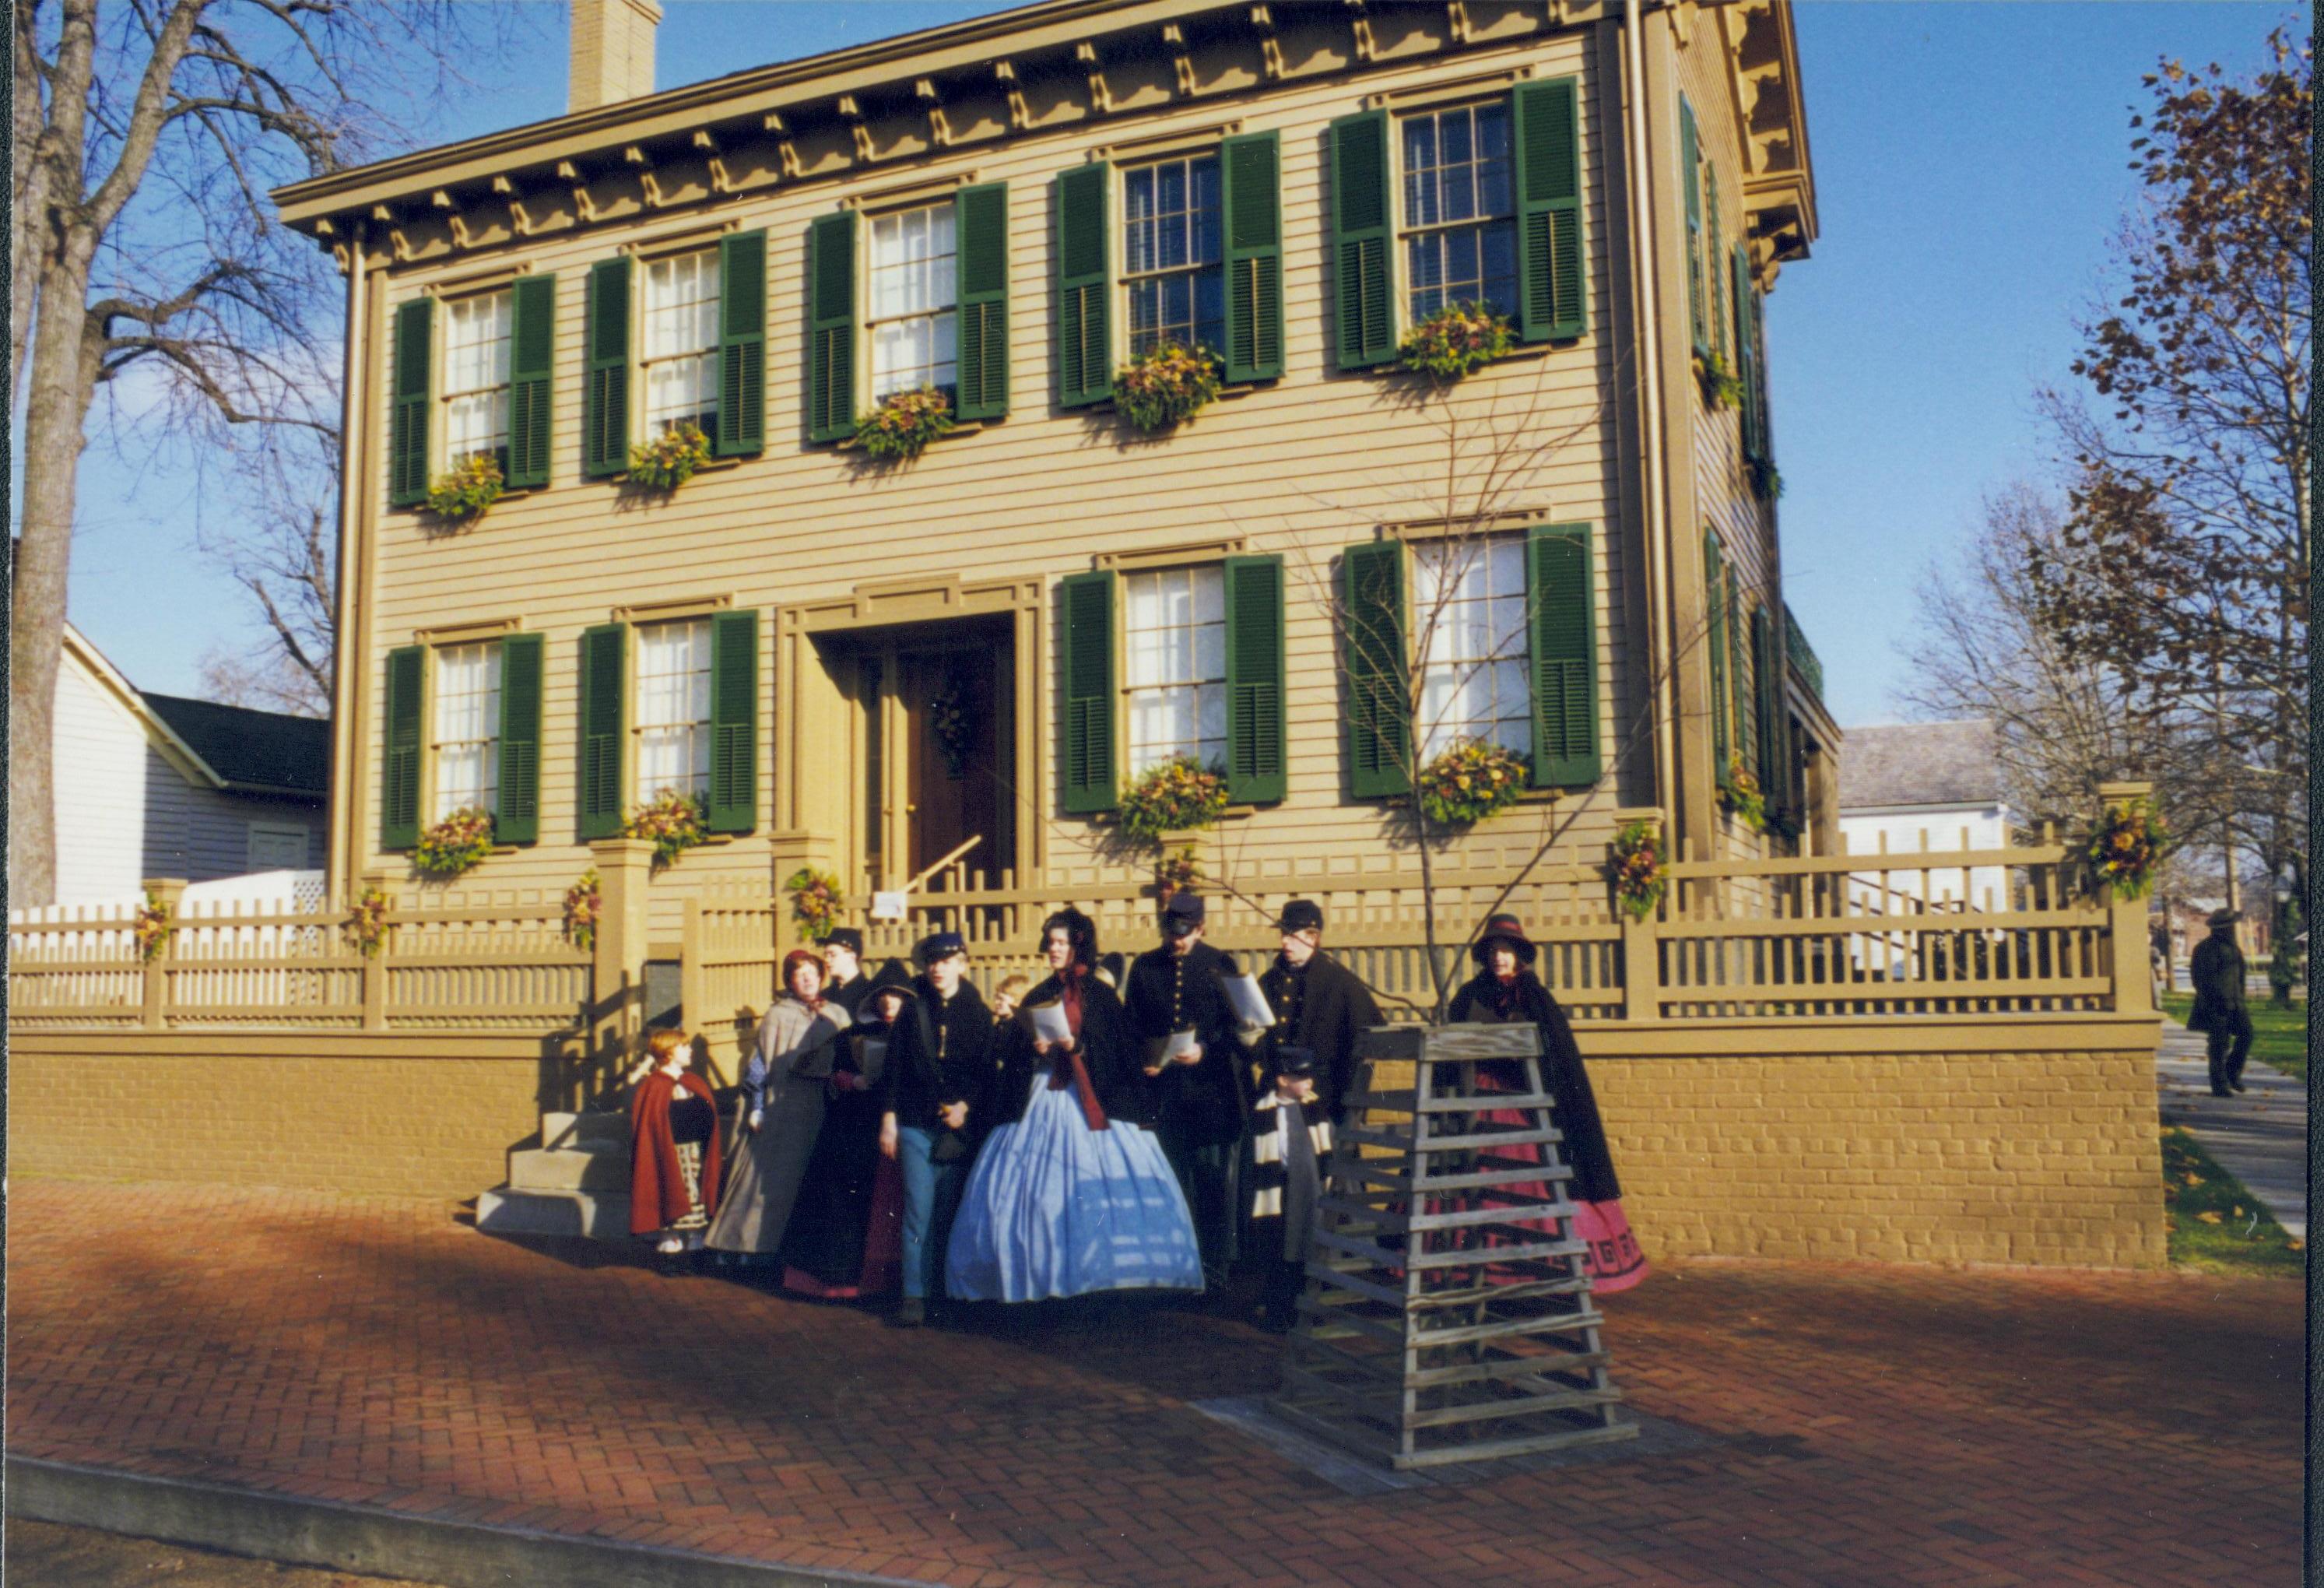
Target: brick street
1857	1424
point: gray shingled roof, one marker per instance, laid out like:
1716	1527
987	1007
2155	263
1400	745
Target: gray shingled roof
1921	763
269	750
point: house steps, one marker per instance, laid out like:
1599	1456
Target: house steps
577	1182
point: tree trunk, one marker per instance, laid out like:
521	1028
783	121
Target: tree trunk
55	417
31	188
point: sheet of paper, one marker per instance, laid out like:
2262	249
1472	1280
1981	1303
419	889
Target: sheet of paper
1049	1022
1162	1051
1248	1003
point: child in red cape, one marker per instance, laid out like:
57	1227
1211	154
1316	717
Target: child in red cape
673	1146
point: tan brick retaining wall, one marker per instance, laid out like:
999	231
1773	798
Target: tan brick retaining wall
2024	1139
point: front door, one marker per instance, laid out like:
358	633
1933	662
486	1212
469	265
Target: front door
942	755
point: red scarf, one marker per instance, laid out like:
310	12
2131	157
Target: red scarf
1065	1066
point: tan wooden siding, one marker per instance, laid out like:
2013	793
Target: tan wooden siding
1035	494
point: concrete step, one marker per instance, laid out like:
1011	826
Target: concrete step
600	1215
595	1168
576	1130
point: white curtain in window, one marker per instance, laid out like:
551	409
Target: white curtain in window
673	713
475	378
680	339
1175	639
914	287
1469	611
467	751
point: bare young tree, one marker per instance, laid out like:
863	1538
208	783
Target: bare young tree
149	133
280	548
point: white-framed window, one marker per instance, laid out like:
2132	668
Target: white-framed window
914	289
677	349
1459	225
475	386
1172	249
1469	609
465	748
1174	641
277	846
673	708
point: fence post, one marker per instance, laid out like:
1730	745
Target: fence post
788	852
693	991
1642	978
2130	963
618	966
169	893
375	965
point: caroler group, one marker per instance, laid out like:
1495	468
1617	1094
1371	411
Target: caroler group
1116	1127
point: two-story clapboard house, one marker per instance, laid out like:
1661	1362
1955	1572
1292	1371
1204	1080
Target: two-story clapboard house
870	665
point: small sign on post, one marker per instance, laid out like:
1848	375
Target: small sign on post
891	905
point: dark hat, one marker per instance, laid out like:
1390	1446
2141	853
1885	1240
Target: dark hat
1502	928
846	937
1183	914
1301	915
892	977
938	946
2223	918
1294	1061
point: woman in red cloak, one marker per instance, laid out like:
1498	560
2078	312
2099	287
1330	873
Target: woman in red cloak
673	1146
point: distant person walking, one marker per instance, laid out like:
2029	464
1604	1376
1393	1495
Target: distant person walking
2217	969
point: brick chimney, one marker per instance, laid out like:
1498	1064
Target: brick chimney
612	52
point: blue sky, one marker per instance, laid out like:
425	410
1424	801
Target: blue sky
1970	170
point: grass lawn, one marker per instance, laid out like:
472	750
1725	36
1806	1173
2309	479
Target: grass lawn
2214	1223
2279	1036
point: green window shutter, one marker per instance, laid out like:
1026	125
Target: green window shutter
1561	598
1745	370
606	384
1714	608
399	776
604	716
1372	656
981	236
1253	202
1087	602
1712	253
1689	176
532	360
1763	423
1551	266
518	819
1363	231
1084	289
831	326
1742	653
406	419
734	721
742	345
1765	693
1255	715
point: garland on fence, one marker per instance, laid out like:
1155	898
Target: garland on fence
2127	847
949	720
366	922
457	844
464	493
1173	873
816	901
1166	385
1638	879
1740	794
670	458
1469	782
1180	795
583	904
901	427
1456	341
672	820
152	927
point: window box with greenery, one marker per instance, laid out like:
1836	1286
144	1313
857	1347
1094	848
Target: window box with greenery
669	459
1739	795
671	821
1166	386
467	492
1455	342
454	846
1469	781
903	424
1181	795
1766	484
1720	388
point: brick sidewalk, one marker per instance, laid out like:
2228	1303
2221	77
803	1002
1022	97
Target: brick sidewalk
1864	1425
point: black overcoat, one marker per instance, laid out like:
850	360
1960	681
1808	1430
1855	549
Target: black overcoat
1324	1007
2216	970
919	1079
1203	1104
1575	1110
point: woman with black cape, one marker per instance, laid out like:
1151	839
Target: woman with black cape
844	1235
1505	990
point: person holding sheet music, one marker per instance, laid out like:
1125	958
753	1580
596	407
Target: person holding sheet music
1319	1004
937	1091
1193	1053
1070	1194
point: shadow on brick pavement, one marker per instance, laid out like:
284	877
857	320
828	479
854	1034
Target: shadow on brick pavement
1819	1423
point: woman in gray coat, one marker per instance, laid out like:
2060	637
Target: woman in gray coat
782	1112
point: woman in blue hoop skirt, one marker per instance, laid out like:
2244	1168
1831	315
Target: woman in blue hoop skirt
1071	1194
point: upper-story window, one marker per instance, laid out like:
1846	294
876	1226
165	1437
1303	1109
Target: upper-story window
914	289
1174	641
464	747
673	708
1468	611
679	342
1171	252
475	382
1459	226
